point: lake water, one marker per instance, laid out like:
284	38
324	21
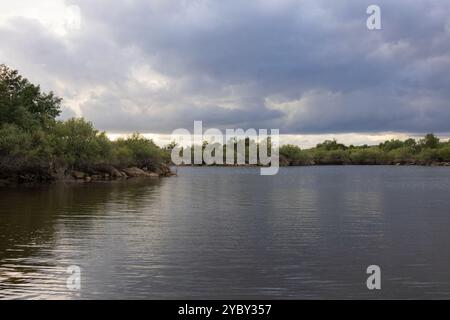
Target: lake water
309	232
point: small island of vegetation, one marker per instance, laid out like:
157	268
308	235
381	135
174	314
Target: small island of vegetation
36	147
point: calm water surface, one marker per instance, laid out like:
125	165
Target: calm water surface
309	232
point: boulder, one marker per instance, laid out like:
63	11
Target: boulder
164	170
153	174
108	171
78	174
136	172
117	174
283	161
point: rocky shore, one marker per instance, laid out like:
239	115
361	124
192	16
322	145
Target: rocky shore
89	174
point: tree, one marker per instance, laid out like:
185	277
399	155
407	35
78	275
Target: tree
23	104
79	143
144	152
172	145
331	145
430	141
391	145
291	152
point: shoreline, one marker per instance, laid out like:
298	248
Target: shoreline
111	173
398	164
101	173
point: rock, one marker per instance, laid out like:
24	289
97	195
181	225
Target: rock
107	171
164	170
88	179
136	172
117	174
153	174
283	161
59	173
78	174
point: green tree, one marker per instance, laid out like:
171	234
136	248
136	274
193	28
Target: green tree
430	141
144	152
23	103
331	145
80	144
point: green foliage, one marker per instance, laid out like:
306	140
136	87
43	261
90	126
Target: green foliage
430	141
428	151
367	156
14	141
78	143
331	145
391	145
291	151
443	154
295	155
428	156
139	151
402	155
31	139
23	104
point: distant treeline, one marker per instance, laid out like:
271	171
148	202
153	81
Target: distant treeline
427	151
34	145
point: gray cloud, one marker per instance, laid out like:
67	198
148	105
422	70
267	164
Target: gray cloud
301	66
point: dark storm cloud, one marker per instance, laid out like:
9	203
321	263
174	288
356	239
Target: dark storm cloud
301	66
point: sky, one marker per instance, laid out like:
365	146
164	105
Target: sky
309	68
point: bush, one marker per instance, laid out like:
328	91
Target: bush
31	139
367	156
140	151
79	144
444	153
400	155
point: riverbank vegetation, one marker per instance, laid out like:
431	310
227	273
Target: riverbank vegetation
35	146
427	151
